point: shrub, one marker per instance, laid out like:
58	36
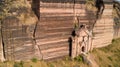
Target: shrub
34	60
67	58
51	65
113	40
16	64
109	58
21	63
78	58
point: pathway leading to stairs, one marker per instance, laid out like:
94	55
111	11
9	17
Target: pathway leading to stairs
90	60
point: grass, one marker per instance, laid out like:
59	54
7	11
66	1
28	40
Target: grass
65	62
105	57
108	56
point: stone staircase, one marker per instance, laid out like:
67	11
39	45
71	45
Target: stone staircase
90	60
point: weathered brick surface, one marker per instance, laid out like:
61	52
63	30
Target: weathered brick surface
54	30
17	42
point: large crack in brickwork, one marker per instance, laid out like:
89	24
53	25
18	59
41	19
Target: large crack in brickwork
2	50
35	7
